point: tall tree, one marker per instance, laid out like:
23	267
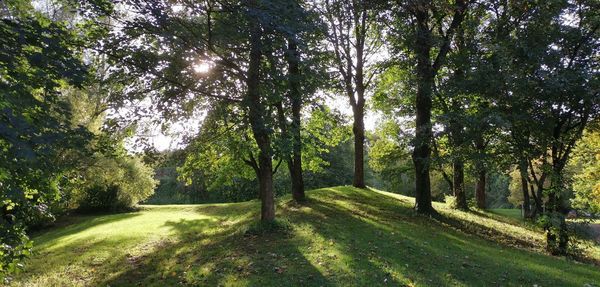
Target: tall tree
299	28
257	117
37	61
353	38
295	160
198	56
545	63
466	116
426	31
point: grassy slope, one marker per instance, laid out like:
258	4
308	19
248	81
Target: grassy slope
508	212
343	236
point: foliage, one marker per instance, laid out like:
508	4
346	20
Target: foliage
450	201
218	157
497	190
556	230
36	62
114	184
586	166
515	188
246	47
218	152
170	190
503	94
324	130
390	159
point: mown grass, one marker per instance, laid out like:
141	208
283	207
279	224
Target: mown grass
341	237
508	212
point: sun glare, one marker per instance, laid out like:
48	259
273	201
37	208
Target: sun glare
201	68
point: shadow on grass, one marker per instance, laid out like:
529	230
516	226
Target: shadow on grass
58	246
486	232
217	252
429	252
506	219
341	237
513	215
500	235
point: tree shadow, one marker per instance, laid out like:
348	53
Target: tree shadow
216	252
423	243
505	237
486	232
504	219
57	246
339	237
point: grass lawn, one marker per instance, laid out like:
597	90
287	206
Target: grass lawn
508	212
342	237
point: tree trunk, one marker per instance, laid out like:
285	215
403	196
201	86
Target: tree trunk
422	150
538	206
458	168
256	115
267	210
480	188
538	195
358	129
526	203
555	207
295	163
448	181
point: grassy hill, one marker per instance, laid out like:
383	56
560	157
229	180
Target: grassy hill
342	236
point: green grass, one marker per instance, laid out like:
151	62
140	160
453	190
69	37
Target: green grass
342	237
508	212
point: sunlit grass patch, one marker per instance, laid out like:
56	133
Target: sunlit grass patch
341	236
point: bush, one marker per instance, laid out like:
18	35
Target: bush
41	216
451	201
115	184
100	198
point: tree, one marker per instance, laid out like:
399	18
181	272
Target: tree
389	158
585	165
37	60
545	73
216	158
464	114
421	33
294	161
238	44
355	42
303	77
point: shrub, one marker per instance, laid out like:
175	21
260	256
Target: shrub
100	198
115	184
451	201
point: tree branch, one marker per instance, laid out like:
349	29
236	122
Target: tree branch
459	15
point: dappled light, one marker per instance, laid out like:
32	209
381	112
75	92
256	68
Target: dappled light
299	143
340	236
